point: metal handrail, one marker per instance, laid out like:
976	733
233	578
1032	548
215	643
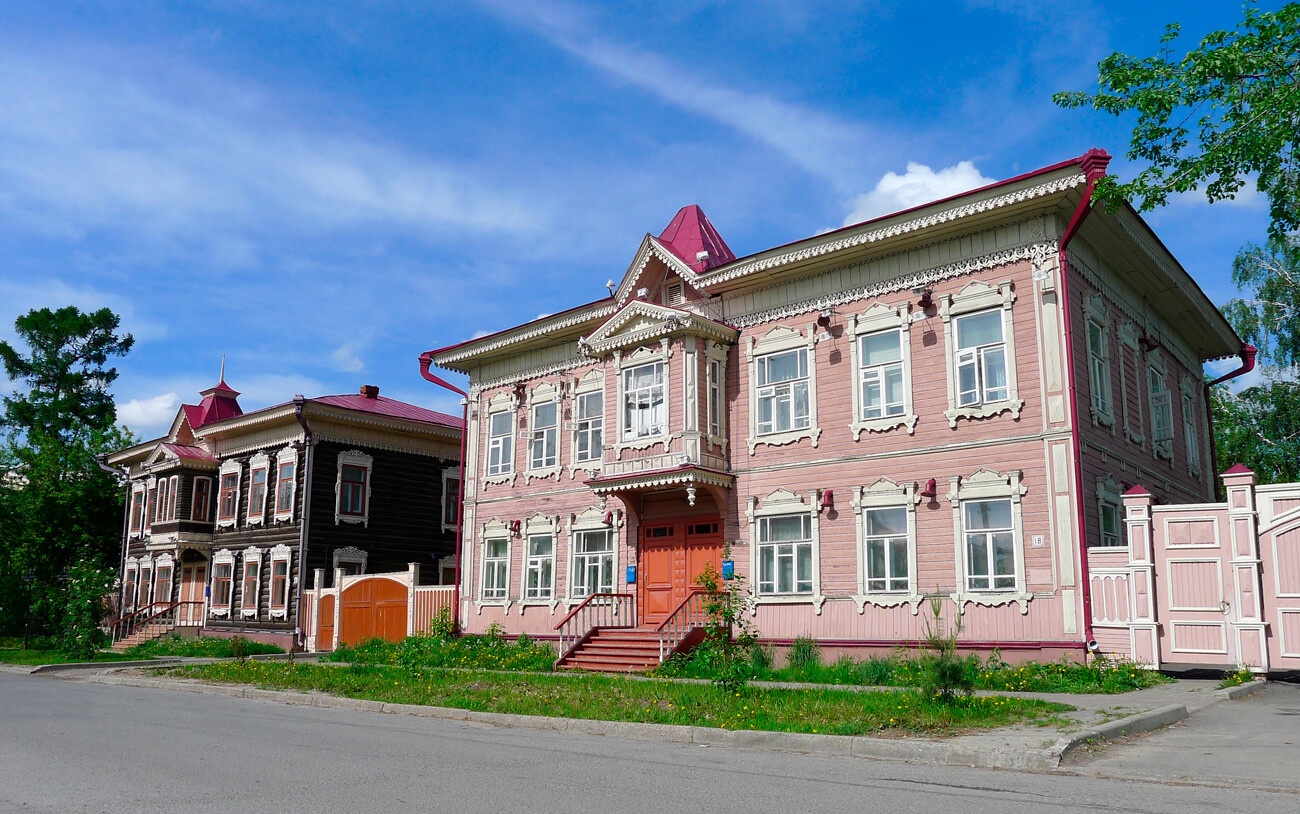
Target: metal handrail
155	612
597	610
686	617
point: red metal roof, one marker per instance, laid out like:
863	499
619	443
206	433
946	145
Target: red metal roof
194	415
690	233
1239	469
190	453
1135	490
390	407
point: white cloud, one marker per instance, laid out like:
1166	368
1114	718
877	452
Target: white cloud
1248	197
346	359
479	334
149	417
919	185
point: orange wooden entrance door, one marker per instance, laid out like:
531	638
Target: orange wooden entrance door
670	558
193	579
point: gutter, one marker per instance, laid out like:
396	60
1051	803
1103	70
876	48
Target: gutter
102	461
298	404
426	359
1093	163
1248	354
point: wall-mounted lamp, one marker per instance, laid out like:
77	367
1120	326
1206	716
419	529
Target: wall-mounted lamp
514	527
1147	344
824	318
827	499
926	302
609	518
930	490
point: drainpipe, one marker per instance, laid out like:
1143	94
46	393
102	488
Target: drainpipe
426	359
1248	353
1093	163
102	460
298	403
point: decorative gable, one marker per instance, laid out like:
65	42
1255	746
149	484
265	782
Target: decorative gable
640	322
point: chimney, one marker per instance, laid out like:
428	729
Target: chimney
370	391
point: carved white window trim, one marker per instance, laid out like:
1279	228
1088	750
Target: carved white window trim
1109	493
642	356
223	557
151	507
252	554
886	494
288	455
542	394
256	515
591	382
160	562
880	317
779	340
135	527
1156	364
230	467
1096	313
131	578
353	457
449	495
494	529
280	553
980	296
503	401
591	520
1188	388
784	502
1128	338
985	484
540	525
715	361
350	554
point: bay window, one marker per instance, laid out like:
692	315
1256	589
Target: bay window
200	506
715	402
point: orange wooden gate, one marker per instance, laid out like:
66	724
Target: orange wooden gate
671	557
373	609
325	631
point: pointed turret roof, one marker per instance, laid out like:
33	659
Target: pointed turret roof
219	402
690	233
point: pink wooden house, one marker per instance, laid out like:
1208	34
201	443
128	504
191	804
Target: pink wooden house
948	400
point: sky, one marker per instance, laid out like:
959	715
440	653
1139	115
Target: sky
321	191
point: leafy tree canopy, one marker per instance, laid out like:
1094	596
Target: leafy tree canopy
1260	427
1268	314
1220	114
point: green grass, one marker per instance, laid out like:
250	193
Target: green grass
822	711
33	657
905	669
200	647
1236	678
475	652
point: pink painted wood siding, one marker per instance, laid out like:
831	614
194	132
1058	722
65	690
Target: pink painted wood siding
427	602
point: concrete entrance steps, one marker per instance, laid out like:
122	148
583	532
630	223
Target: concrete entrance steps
615	650
145	633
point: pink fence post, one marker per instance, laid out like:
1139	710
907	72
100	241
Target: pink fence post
1144	632
1243	523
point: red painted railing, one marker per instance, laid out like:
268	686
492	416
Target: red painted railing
685	618
597	610
159	613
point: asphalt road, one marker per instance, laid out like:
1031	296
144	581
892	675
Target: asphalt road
68	746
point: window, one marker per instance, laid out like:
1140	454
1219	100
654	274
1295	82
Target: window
587	441
785	554
450	499
1110	525
715	398
150	507
352	488
146	584
990	545
1110	513
544	440
501	460
1130	370
221	574
257	494
1162	420
352	497
496	555
279	585
174	493
783	403
164	490
162	591
1190	436
137	510
202	500
1099	370
981	359
128	590
881	377
593	563
229	496
251	583
539	580
886	539
284	484
643	401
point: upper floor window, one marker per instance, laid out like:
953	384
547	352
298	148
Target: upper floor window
990	545
137	510
981	359
501	449
980	340
783	392
715	405
353	487
150	507
1099	367
590	419
885	539
881	375
201	505
286	482
1190	434
257	493
229	495
1110	513
450	499
544	443
1162	418
643	401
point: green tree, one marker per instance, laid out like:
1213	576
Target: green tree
1260	428
60	514
1216	116
1268	313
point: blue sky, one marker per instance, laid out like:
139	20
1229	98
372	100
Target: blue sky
322	191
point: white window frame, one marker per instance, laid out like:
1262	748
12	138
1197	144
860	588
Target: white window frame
350	554
541	396
655	430
575	559
979	296
256	514
645	355
164	561
251	555
353	457
164	500
536	527
716	394
1109	495
288	455
885	493
230	467
986	484
1101	402
280	554
503	402
223	557
131	583
1158	402
494	531
1191	435
1134	429
135	526
781	339
449	474
145	582
877	319
592	384
784	503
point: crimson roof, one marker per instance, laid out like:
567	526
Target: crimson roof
190	453
690	233
390	407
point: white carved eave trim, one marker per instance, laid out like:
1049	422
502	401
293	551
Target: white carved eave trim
523	333
667	322
662	479
351	554
977	411
649	249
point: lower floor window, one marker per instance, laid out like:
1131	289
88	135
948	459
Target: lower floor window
221	585
885	533
495	556
990	545
593	563
785	555
1110	525
540	582
252	577
279	584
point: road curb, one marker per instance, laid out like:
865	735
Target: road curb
1132	725
1241	690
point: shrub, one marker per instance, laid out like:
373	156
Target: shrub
1237	677
944	673
239	648
426	652
728	627
201	647
805	654
84	610
443	626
